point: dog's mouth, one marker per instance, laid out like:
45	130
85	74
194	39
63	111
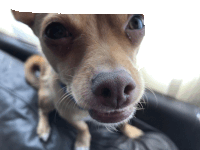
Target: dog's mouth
110	117
113	116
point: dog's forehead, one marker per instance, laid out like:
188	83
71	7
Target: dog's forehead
82	20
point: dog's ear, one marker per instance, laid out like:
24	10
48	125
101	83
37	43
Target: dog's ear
25	17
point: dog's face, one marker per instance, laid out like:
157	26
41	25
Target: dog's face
95	56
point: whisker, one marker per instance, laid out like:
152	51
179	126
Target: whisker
153	94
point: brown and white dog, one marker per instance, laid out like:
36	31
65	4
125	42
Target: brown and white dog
88	68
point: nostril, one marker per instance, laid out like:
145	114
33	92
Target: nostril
113	89
106	92
128	89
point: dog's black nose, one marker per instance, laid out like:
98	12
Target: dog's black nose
113	89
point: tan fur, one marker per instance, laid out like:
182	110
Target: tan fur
100	44
131	131
33	64
25	17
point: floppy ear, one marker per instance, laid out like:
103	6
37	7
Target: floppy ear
25	17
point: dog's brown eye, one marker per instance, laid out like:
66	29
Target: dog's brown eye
56	31
135	23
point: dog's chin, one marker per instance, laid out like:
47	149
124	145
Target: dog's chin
112	118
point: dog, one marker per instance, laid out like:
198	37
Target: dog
87	69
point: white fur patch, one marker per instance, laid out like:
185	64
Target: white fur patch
81	148
45	136
198	116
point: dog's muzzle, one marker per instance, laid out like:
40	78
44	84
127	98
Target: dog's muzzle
64	87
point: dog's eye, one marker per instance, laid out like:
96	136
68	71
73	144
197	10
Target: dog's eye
136	22
56	31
